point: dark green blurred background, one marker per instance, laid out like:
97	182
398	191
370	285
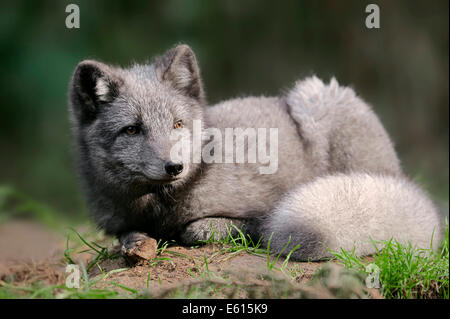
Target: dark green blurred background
244	47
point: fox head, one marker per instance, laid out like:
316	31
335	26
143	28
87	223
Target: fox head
123	118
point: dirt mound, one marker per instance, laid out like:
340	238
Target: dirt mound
31	254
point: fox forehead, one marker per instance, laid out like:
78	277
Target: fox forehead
144	101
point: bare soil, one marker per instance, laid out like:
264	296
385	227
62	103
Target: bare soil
31	253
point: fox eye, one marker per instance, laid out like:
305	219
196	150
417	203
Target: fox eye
178	124
132	130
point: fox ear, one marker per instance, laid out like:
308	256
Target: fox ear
179	67
93	84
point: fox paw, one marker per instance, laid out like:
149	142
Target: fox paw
137	245
207	229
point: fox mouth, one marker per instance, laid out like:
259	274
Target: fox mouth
142	185
144	179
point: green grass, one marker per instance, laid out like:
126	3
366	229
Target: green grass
271	264
240	242
39	290
100	252
406	271
234	244
42	291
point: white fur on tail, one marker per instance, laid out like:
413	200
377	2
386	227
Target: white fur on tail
345	211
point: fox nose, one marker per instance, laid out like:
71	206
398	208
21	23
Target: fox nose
173	169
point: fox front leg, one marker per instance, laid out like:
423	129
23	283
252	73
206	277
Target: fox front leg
215	228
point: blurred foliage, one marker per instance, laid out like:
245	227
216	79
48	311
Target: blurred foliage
244	47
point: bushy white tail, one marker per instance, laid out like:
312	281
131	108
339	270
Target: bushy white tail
346	211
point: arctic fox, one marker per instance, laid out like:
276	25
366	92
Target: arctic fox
338	180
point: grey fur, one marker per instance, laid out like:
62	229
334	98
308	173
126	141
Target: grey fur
322	130
132	240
